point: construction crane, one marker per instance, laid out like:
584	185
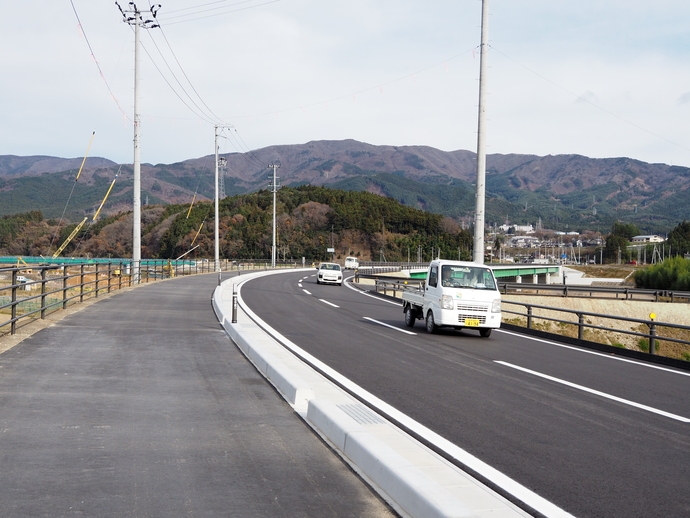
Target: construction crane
69	238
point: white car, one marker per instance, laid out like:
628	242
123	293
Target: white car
351	263
329	273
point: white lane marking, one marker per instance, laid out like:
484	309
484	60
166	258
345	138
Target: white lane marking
596	353
597	393
329	303
299	284
368	295
388	325
305	291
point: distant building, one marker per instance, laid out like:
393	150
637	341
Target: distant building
641	240
523	242
528	229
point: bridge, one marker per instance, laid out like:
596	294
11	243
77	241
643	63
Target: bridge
140	405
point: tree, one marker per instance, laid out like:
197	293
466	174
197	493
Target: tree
614	244
679	238
625	230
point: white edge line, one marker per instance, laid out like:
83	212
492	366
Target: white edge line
597	392
596	353
535	501
329	303
388	325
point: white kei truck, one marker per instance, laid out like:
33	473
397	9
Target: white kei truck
456	294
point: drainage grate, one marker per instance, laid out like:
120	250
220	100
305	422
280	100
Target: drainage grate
361	414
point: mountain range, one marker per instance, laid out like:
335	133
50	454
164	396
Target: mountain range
562	192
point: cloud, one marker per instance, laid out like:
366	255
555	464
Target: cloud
393	72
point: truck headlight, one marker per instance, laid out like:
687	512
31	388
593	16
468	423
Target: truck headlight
447	302
496	306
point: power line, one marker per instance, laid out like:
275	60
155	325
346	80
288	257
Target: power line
219	14
584	99
93	56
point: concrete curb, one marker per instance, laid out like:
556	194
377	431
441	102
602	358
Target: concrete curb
414	480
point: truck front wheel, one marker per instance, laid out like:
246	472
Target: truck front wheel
485	333
410	316
431	326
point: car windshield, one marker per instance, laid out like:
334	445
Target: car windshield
467	277
330	267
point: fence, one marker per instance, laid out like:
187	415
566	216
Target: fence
35	290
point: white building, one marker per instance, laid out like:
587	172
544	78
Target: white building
641	240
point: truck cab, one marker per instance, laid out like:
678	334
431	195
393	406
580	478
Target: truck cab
457	294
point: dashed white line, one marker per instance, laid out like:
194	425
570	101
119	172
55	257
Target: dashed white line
305	291
329	303
598	393
388	325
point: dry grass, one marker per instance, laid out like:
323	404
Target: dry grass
606	271
666	312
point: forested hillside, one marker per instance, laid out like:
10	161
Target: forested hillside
564	192
309	220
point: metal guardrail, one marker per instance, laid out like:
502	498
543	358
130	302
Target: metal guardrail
392	286
623	292
52	287
653	335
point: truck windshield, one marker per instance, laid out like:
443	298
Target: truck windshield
467	277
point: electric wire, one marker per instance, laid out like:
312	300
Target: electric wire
222	13
584	99
93	56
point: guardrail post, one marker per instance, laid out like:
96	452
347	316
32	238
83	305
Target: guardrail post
234	304
64	287
652	338
97	264
43	293
110	275
81	283
13	312
529	317
580	326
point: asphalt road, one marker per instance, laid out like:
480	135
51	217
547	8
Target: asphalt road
566	437
139	405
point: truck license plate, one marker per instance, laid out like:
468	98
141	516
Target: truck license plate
472	322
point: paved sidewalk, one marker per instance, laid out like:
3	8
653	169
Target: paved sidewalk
139	405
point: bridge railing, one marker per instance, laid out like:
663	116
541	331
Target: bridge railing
33	291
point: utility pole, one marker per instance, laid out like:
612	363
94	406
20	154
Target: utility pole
216	248
222	161
481	144
216	238
274	190
134	16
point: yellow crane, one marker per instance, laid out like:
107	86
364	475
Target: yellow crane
69	238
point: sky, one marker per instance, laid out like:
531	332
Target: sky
600	79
